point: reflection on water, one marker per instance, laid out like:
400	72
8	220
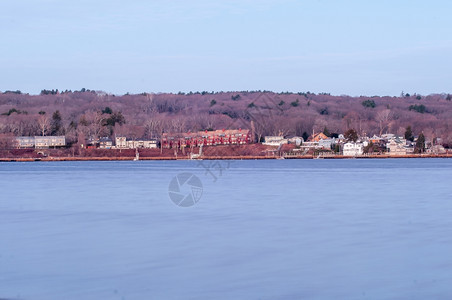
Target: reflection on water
291	229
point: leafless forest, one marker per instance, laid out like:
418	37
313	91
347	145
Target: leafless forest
88	114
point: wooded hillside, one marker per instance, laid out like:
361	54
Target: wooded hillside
93	114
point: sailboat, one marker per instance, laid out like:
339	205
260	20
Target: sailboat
318	157
197	156
137	155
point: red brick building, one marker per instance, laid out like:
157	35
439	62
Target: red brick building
206	138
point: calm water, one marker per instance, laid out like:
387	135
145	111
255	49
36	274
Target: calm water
287	229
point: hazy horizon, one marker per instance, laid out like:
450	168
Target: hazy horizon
219	92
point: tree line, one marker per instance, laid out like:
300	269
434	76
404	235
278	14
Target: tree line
91	114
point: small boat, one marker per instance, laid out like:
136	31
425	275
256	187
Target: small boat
137	156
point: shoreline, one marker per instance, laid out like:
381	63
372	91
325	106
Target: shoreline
242	157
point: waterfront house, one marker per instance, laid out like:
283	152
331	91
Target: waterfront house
397	146
25	142
40	142
105	143
120	142
388	136
310	146
124	143
352	149
376	140
50	141
317	137
297	140
327	143
436	149
147	144
274	140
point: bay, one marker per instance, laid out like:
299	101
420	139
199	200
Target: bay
266	229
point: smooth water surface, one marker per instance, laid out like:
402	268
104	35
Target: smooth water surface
279	229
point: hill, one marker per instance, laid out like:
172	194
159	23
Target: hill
85	113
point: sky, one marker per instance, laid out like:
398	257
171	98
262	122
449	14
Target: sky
342	47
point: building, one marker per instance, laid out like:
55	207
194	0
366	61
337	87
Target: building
121	142
436	149
353	149
40	142
50	141
206	138
317	137
327	143
310	146
297	140
274	140
388	136
105	143
397	146
124	143
148	144
25	142
375	140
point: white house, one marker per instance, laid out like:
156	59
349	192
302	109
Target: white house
397	146
274	140
297	140
25	141
388	136
327	143
40	141
50	141
142	144
353	149
105	143
123	143
437	149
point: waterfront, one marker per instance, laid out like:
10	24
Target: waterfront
285	229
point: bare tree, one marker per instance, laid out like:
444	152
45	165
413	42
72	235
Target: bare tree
153	127
259	129
383	118
352	120
178	124
94	122
319	125
7	141
44	124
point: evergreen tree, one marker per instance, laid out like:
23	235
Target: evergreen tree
107	110
420	144
409	134
56	123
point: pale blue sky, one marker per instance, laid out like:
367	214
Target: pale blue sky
353	47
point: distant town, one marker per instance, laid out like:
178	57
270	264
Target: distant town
190	145
90	124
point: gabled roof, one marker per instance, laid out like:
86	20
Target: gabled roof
317	137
